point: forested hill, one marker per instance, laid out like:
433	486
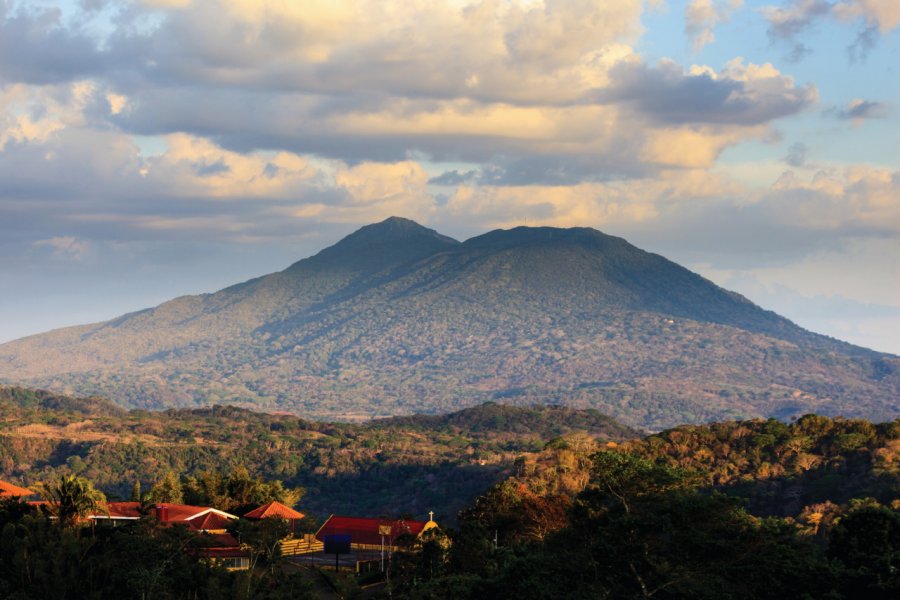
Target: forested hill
18	404
398	319
737	510
493	419
390	466
425	462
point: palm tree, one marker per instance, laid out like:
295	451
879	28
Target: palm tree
71	498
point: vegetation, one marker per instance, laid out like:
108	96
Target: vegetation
227	456
70	499
734	510
540	495
40	558
642	528
397	319
780	468
236	492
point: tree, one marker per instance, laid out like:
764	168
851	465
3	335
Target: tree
168	489
499	511
71	498
206	489
867	541
262	541
620	478
238	492
136	491
642	530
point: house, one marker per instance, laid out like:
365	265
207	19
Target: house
224	550
8	490
219	546
195	518
374	534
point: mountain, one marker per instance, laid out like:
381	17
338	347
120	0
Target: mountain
396	319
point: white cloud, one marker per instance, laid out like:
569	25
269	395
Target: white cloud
853	200
196	167
882	14
859	110
365	80
604	205
31	114
703	16
66	247
516	51
741	94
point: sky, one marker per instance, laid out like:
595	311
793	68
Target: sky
157	148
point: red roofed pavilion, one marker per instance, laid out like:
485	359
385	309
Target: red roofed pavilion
8	490
274	509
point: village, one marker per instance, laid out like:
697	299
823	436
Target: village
361	545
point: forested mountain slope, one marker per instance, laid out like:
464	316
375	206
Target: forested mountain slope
396	319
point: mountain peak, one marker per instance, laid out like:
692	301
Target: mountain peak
397	224
523	235
386	244
393	228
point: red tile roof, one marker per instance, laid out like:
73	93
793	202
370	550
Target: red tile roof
8	490
123	510
174	513
199	518
274	509
210	521
366	531
192	516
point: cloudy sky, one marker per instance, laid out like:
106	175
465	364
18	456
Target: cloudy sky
155	148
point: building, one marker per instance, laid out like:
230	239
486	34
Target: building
195	518
224	550
219	546
276	510
8	490
368	534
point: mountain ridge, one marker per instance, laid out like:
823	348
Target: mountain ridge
396	318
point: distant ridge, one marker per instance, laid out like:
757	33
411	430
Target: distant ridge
397	318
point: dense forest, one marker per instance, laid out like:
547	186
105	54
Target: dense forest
753	509
569	504
644	529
